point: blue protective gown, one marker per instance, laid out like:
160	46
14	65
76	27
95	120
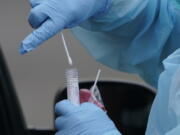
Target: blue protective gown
136	36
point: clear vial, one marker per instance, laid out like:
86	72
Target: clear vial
72	85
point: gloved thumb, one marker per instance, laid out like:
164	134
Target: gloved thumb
38	36
35	3
65	107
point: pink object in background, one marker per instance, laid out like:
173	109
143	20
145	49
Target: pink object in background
86	96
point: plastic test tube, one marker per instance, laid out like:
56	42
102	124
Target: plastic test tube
72	86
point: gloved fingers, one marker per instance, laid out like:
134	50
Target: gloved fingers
35	3
37	16
57	133
38	36
58	124
89	106
65	107
61	123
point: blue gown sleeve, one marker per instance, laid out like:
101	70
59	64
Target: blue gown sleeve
164	117
133	36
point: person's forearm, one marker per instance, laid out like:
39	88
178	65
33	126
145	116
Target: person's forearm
125	40
123	13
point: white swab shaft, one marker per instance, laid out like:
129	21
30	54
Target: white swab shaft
95	82
66	50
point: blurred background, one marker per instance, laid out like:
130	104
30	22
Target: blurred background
40	74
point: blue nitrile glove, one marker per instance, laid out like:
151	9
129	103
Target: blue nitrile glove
51	16
86	119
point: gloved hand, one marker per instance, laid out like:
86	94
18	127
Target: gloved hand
86	119
49	17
